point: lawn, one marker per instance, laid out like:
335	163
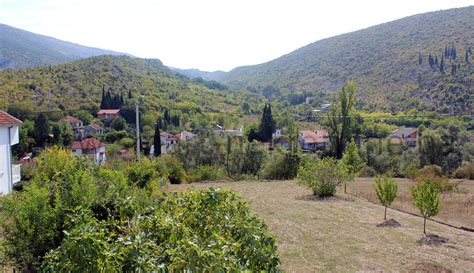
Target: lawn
340	234
457	207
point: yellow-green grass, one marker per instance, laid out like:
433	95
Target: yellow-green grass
340	234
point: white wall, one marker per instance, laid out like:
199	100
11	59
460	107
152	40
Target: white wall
5	156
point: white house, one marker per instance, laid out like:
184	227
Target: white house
9	135
91	148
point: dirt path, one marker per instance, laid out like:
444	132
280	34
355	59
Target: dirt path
341	234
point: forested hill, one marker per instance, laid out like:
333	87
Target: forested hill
20	48
79	83
389	63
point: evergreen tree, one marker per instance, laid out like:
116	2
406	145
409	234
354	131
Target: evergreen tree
157	139
420	59
436	60
467	56
453	69
446	53
441	65
57	134
267	124
129	94
430	60
453	53
42	129
103	100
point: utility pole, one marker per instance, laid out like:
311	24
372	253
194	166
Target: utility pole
137	123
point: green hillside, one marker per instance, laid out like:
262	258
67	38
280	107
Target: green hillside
20	48
80	83
384	62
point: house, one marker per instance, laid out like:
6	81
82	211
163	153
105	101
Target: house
282	141
91	148
108	114
74	122
92	130
313	140
185	135
9	136
404	135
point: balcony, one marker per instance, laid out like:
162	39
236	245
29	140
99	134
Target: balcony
16	173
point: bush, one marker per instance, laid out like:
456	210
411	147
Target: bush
127	142
466	172
208	173
322	176
282	167
432	174
143	173
195	231
176	172
368	171
114	136
431	170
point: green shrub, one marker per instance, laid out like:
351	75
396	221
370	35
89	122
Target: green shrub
466	172
176	172
368	171
431	170
141	174
208	173
282	166
127	142
114	136
322	176
197	231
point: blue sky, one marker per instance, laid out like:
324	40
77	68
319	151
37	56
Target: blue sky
206	34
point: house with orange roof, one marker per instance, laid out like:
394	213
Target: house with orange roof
92	148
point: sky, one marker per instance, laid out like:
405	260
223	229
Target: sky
206	34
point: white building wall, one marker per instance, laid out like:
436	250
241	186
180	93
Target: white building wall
5	156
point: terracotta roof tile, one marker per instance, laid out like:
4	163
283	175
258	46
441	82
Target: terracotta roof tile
87	144
108	111
70	119
6	119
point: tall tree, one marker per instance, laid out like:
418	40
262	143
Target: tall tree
42	129
420	59
352	162
157	139
340	121
267	124
441	65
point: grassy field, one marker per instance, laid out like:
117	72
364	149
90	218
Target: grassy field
340	234
457	208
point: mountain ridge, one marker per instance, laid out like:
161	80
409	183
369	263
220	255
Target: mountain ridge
383	61
21	48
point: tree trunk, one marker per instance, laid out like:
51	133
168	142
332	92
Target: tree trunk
424	225
385	216
345	184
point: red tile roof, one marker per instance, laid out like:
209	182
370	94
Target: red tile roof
108	111
6	119
70	119
87	144
312	137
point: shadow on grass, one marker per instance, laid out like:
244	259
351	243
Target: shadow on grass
390	223
427	267
326	198
432	240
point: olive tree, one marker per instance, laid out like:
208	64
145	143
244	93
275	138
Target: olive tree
386	190
426	197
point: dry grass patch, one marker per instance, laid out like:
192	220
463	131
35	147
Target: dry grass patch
340	234
457	208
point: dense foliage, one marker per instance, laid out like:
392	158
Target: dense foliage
322	176
76	217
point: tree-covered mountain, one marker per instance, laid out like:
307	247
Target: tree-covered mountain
79	83
390	64
196	73
20	48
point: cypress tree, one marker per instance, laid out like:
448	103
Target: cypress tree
129	94
467	56
453	53
420	59
102	101
446	52
41	129
157	139
430	60
436	60
267	124
441	65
